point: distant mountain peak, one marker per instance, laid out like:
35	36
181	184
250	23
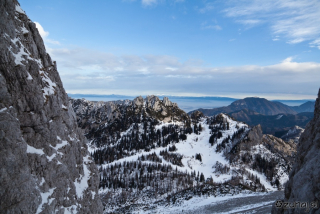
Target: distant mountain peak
259	105
257	98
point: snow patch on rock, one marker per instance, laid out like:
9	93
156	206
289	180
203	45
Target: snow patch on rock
32	150
45	199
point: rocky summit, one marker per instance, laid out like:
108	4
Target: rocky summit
44	163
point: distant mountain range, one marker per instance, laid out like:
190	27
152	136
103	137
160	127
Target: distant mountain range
186	103
274	117
277	125
306	107
261	106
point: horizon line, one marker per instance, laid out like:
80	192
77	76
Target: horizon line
164	95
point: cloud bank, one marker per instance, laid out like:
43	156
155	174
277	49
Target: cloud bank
94	72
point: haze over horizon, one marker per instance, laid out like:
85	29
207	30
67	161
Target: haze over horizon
183	48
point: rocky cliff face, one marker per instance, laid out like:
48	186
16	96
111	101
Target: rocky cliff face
44	162
304	179
304	183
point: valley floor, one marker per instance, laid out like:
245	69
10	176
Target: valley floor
242	203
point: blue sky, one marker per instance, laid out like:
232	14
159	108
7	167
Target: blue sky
233	48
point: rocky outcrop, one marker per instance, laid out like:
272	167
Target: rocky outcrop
93	114
44	162
138	102
293	134
167	102
287	150
265	153
304	179
196	115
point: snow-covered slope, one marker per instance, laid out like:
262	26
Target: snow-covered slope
148	161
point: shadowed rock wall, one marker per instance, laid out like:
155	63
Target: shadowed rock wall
304	179
44	162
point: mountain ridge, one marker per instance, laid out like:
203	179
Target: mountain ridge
260	105
274	120
305	107
273	124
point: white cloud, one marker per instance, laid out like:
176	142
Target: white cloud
90	71
214	27
171	69
295	20
206	26
207	7
95	78
250	22
91	60
44	34
315	43
155	2
149	2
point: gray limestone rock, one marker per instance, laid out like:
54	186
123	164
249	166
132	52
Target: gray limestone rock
304	179
45	166
153	103
138	101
